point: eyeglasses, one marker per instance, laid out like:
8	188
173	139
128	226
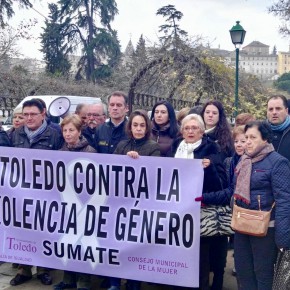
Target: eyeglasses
187	129
32	115
94	115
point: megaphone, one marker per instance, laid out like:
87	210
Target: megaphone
59	107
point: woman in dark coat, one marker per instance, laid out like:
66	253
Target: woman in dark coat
218	130
164	126
217	127
194	145
262	174
138	130
139	143
71	127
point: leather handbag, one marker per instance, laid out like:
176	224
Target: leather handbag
215	221
282	271
251	222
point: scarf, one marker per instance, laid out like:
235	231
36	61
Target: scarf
33	135
185	150
209	130
244	171
283	126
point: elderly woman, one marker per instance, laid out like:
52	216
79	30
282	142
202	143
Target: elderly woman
71	127
262	178
194	145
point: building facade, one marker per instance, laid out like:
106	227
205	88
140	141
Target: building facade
256	59
283	62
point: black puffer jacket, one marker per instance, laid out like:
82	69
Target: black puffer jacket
48	140
214	176
142	146
108	136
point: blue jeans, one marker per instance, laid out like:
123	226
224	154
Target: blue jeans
254	260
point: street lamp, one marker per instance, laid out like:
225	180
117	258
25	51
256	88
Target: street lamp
238	35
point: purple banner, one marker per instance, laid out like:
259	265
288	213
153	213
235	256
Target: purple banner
102	214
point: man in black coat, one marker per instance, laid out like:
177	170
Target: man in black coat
35	134
112	132
277	114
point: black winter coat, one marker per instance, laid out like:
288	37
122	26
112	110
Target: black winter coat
223	197
90	135
4	139
283	147
108	136
48	140
214	175
142	146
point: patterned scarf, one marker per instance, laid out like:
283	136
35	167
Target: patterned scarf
185	150
33	135
244	171
282	126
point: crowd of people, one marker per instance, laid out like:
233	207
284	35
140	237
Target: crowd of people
249	162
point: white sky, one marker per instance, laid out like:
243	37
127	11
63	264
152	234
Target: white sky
210	19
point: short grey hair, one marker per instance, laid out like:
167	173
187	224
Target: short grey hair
195	117
101	104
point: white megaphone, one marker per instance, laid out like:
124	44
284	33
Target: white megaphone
59	107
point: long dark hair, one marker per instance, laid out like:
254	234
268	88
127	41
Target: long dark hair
143	114
222	131
173	127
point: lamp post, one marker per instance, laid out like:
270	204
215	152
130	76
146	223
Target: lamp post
238	35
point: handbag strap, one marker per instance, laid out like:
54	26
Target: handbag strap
259	202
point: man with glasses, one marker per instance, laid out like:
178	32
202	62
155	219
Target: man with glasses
35	134
96	116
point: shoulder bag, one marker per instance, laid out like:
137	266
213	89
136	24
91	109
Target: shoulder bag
251	222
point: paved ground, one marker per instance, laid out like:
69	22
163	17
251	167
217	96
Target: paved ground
7	273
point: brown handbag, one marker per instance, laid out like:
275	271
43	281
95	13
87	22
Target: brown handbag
251	222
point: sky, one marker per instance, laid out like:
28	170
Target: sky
209	19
